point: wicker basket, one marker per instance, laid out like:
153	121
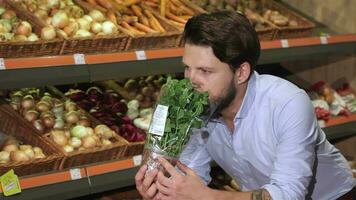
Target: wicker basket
12	123
98	44
29	49
169	39
304	29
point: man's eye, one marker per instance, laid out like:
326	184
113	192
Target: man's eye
205	71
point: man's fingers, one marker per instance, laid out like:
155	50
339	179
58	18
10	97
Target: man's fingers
147	182
140	175
166	165
152	191
162	189
163	180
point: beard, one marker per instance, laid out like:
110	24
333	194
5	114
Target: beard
229	96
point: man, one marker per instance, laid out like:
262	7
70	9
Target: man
265	135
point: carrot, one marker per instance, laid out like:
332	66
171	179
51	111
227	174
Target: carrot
119	1
117	6
162	7
131	2
175	10
92	2
153	21
183	7
186	17
153	1
169	15
151	4
129	19
143	19
111	16
85	5
179	25
104	3
130	28
137	10
144	28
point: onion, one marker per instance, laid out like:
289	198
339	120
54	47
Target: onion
10	147
68	148
72	117
67	133
39	155
59	124
79	131
4	156
70	105
82	33
53	3
29	152
58	137
105	142
48	21
89	130
103	131
88	18
27	102
32	7
42	14
20	38
48	33
31	115
19	156
75	142
109	27
88	142
8	14
15	106
24	147
37	150
61	34
2	10
84	122
97	15
48	121
38	125
83	24
47	97
33	37
24	28
60	19
96	27
71	28
43	106
6	25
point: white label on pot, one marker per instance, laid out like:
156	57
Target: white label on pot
137	160
75	174
285	43
323	40
141	55
159	120
2	63
79	59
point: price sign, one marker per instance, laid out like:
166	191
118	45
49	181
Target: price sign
141	55
79	59
10	183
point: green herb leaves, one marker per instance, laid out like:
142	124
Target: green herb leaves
185	106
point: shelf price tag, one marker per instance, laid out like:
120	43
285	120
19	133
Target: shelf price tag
324	40
285	43
2	64
79	59
75	173
10	183
137	160
141	55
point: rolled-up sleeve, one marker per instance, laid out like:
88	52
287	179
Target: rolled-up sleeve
296	129
196	156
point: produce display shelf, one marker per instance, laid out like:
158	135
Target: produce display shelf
78	181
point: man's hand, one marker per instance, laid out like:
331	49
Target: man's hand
145	184
178	186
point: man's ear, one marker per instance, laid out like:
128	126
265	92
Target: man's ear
243	73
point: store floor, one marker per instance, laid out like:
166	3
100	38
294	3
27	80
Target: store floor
127	193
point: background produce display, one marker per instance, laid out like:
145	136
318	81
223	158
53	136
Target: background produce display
13	29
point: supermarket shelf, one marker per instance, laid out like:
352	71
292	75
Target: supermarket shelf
340	127
39	71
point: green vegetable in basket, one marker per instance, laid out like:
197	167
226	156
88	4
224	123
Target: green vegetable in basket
185	105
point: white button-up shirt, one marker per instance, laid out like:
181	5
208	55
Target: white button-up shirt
277	144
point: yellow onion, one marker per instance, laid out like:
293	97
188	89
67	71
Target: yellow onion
19	156
60	19
33	37
10	147
71	28
48	33
24	28
58	137
4	157
48	21
61	34
81	33
29	152
72	117
30	115
96	15
89	142
105	142
20	38
8	14
109	27
43	106
88	18
68	148
83	24
75	142
28	102
32	7
42	14
96	27
103	131
23	147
